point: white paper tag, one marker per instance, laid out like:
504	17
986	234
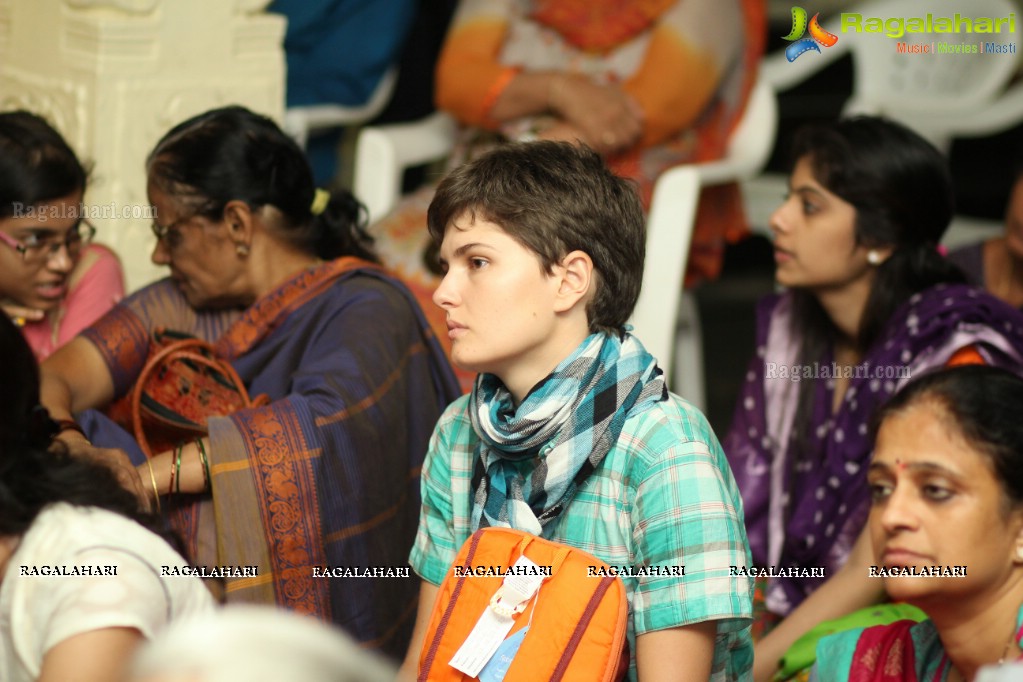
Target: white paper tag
519	586
482	643
525	578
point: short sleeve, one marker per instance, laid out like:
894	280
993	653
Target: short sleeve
127	593
435	547
686	512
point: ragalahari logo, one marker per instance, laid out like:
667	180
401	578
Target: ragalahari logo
817	35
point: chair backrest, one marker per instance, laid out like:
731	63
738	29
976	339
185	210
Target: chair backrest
383	153
939	94
912	87
657	318
753	139
300	121
751	142
886	80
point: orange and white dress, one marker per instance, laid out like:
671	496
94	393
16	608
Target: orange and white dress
689	64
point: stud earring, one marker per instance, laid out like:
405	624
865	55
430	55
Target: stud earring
242	250
874	257
1019	553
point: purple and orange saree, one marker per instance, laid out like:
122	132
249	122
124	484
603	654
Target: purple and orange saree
326	475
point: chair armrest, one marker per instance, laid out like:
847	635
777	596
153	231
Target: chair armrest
751	143
665	317
384	152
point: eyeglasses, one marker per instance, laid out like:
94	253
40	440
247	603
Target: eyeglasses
38	248
169	234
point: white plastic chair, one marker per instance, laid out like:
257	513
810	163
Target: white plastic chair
666	317
384	152
939	96
663	310
299	122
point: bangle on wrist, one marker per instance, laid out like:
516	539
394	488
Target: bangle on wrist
69	425
205	461
177	468
170	486
156	490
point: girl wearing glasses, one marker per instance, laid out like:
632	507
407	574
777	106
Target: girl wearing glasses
53	281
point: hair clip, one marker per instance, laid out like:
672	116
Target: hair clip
320	201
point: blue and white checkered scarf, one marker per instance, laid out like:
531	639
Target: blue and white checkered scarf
575	415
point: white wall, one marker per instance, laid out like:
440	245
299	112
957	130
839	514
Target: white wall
114	75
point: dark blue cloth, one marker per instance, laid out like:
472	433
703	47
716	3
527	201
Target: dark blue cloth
337	51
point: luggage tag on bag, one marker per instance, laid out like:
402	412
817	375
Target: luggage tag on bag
497	667
497	620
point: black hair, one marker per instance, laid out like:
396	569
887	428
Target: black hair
554	198
901	189
986	405
234	154
36	163
34	472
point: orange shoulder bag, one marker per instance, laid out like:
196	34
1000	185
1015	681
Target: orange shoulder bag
575	622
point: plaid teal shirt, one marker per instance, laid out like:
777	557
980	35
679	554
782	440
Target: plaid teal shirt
663	496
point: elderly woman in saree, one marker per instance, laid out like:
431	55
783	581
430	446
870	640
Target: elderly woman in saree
279	276
870	304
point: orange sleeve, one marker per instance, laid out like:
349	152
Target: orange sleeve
672	86
469	77
968	355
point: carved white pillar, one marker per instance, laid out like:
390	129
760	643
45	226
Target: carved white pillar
114	75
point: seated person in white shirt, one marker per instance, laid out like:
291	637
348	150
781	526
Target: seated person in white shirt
80	563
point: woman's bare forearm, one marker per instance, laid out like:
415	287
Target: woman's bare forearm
73	379
849	590
528	94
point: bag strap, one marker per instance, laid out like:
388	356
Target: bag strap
519	550
603	585
580	627
180	351
431	653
